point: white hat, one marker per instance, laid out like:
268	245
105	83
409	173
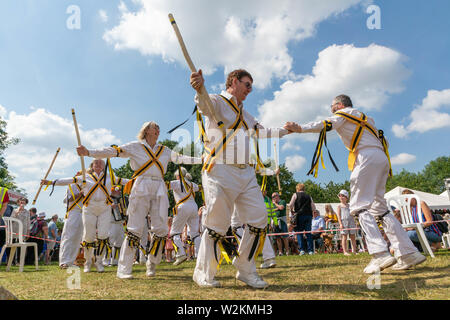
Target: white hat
41	215
344	193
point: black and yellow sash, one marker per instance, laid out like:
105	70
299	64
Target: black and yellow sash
153	160
98	184
361	124
190	192
76	201
229	134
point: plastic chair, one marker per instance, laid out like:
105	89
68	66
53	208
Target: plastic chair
14	245
403	203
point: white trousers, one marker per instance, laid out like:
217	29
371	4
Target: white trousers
367	186
71	237
138	209
228	188
267	251
187	215
96	225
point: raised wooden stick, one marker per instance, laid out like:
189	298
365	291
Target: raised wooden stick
83	169
46	175
203	93
277	167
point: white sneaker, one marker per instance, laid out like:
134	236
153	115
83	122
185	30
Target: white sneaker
269	263
124	276
205	284
409	260
252	279
180	260
151	270
301	253
87	267
99	266
379	262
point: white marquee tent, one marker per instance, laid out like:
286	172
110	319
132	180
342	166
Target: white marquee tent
434	201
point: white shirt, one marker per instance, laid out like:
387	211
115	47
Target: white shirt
175	186
99	194
151	181
237	149
345	129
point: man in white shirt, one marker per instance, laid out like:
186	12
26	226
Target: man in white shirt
229	181
370	167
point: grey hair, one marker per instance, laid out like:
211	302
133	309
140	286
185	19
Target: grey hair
145	126
345	100
183	172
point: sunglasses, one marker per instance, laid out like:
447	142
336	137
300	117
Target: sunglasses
248	85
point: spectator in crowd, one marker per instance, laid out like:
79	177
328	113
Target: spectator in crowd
169	243
346	221
432	232
52	234
29	258
23	215
280	210
317	228
329	212
200	219
4	200
41	233
292	240
302	207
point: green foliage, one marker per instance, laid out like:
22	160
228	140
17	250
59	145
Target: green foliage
6	180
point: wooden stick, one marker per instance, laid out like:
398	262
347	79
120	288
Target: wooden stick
46	175
276	164
203	93
83	169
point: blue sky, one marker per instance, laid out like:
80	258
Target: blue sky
123	67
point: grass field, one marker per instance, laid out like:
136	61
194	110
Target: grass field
317	277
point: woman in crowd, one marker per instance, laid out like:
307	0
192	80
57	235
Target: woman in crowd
432	232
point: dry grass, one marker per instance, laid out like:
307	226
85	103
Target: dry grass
318	277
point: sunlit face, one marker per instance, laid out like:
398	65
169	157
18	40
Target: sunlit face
152	132
242	87
335	106
98	165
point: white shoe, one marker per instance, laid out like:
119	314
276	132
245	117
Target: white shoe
252	279
269	263
151	270
87	267
301	253
99	266
409	260
205	284
180	260
379	262
124	276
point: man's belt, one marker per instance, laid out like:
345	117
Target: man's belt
240	166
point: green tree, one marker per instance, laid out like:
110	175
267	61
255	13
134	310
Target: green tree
434	174
6	180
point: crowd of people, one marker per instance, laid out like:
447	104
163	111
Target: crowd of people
122	221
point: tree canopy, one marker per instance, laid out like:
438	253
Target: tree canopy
6	179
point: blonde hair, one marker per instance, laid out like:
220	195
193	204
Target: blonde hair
329	209
145	126
300	187
407	191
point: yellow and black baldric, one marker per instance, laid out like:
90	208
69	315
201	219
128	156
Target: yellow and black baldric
76	201
153	160
362	124
184	186
99	183
318	152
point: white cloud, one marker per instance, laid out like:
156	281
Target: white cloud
228	34
290	145
103	15
403	158
427	116
368	75
295	162
41	133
